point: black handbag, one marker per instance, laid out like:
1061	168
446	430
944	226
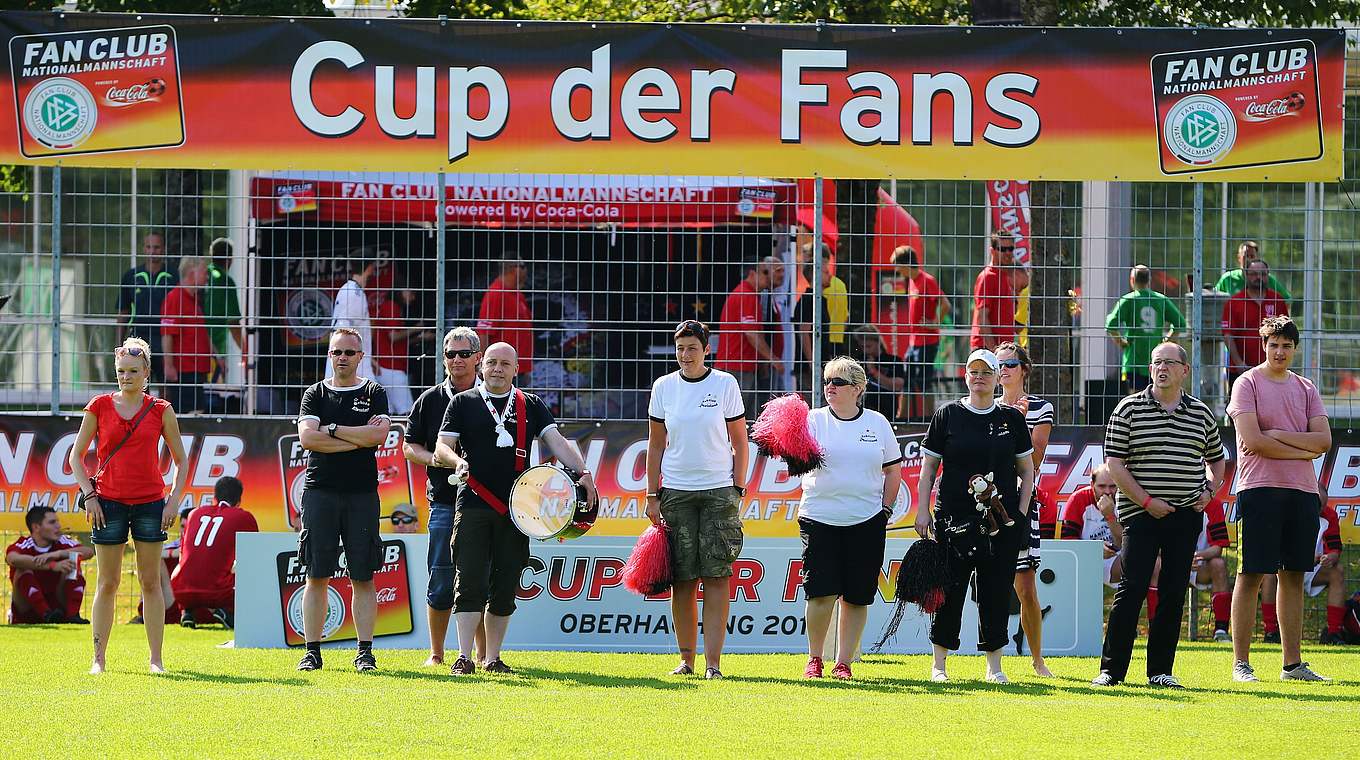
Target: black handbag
94	479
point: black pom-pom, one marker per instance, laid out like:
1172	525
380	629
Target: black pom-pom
921	580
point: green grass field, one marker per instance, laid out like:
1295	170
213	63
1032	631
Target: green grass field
218	702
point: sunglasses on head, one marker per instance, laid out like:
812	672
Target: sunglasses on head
461	353
1012	363
839	382
400	518
344	352
128	351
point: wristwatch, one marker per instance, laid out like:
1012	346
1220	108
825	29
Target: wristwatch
330	429
741	491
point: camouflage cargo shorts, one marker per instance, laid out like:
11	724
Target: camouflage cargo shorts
705	531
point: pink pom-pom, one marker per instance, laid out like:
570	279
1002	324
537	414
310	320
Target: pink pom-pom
782	431
648	569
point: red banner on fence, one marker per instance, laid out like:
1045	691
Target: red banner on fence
707	99
1008	203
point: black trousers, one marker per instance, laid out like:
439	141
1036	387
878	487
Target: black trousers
995	576
1174	538
488	553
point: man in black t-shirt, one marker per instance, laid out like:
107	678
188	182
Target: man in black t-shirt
343	419
489	553
462	352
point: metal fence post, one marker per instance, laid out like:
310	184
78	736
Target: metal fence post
1197	296
1312	278
440	276
818	204
55	407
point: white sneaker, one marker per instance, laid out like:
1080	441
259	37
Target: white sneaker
997	677
1165	681
1221	636
939	676
1243	673
1301	673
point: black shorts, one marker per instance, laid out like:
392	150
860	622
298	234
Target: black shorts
489	555
843	560
332	518
1279	529
920	364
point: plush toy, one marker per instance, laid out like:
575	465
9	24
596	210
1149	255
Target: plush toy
989	503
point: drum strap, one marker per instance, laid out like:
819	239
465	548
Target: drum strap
521	454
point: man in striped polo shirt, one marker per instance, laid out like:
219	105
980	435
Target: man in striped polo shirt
1157	444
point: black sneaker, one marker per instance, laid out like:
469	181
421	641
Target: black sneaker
186	619
1105	679
77	619
364	661
1271	637
224	616
1165	681
498	666
310	661
54	616
137	621
1331	639
463	666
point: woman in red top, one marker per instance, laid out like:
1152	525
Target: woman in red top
128	492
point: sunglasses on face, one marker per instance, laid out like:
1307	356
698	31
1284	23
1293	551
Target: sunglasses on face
402	519
128	351
1011	363
344	352
1005	248
462	353
839	382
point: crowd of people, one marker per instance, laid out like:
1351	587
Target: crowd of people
1153	502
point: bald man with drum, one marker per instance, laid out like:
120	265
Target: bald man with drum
493	425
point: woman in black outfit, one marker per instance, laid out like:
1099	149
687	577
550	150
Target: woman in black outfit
971	437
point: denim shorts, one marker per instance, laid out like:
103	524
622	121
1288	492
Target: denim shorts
439	595
142	520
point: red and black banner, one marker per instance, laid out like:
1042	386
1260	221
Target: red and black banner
264	455
694	99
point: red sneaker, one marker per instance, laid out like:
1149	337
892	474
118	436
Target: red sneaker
841	671
814	668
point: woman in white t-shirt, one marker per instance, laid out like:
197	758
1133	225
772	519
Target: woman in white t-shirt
696	442
843	515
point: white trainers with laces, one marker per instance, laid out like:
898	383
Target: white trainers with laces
1301	673
1243	673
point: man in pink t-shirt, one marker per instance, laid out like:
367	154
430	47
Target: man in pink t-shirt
1281	428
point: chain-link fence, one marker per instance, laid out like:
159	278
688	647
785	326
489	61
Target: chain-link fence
588	275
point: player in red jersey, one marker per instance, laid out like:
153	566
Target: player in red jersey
46	584
206	575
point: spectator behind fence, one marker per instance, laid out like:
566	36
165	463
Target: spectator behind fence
184	338
832	317
402	520
1211	569
743	350
143	291
994	295
927	307
1328	573
1242	317
46	584
505	316
351	311
392	333
1234	280
772	317
206	576
221	306
885	374
1140	320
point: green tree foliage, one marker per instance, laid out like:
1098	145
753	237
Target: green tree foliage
213	7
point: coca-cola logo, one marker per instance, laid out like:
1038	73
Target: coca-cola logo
121	97
1274	109
387	595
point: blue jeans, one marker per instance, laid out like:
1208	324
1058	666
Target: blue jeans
439	595
142	520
